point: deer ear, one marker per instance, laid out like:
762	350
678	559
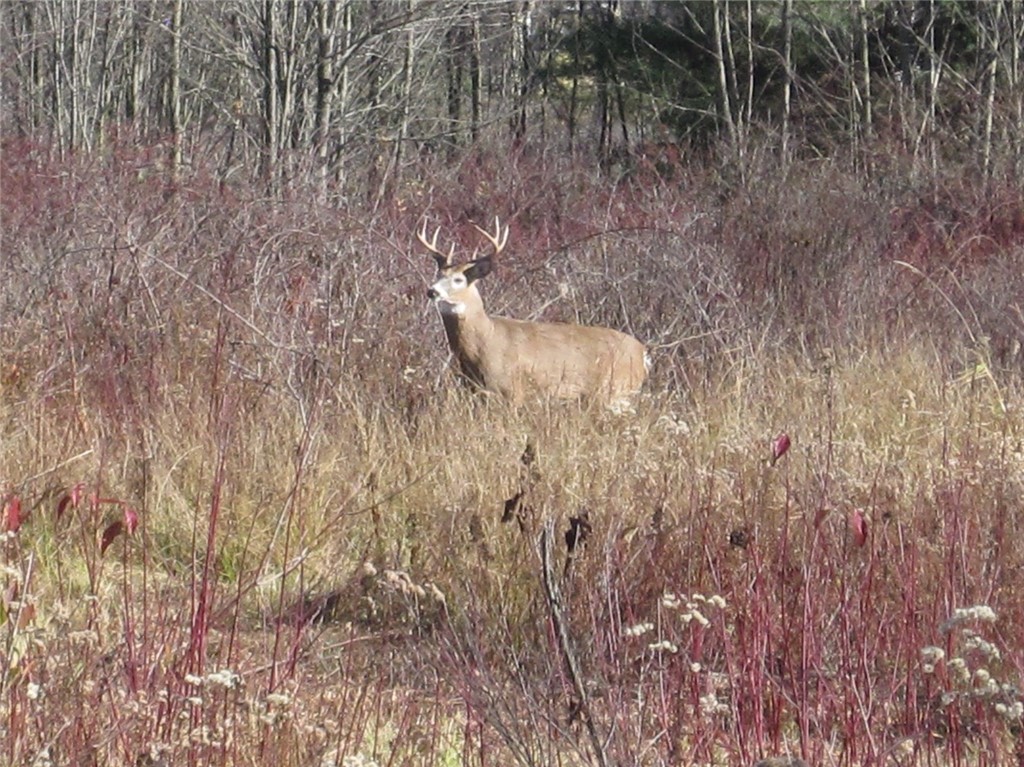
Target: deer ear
479	268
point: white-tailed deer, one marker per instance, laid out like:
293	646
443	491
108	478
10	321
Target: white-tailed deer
518	359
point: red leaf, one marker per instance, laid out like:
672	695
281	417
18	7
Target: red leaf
131	519
113	530
779	447
72	498
859	525
12	514
26	616
64	503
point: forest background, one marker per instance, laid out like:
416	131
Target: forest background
250	516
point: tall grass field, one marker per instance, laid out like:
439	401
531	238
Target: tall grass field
251	515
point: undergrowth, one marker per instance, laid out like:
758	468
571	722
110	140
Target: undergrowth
250	517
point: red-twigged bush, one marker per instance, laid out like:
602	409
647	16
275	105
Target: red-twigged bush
260	380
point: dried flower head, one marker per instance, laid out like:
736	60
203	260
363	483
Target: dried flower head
979	613
663	645
638	630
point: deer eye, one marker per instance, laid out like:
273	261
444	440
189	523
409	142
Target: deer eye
459	281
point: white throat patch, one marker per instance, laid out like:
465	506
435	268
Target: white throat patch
447	306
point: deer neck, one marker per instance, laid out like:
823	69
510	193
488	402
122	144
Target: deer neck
467	326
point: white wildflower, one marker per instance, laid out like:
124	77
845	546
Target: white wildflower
985	648
225	678
271	718
665	645
981	613
905	747
932	655
698	616
670	601
959	671
710	705
638	630
278	699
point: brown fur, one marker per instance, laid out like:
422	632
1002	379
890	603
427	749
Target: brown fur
519	359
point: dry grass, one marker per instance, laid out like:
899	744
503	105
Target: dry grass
321	573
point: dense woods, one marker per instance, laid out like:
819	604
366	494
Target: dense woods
361	93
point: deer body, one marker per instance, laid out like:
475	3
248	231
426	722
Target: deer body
518	359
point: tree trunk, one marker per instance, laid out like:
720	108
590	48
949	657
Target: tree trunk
520	65
605	83
787	81
723	77
1016	84
289	132
455	39
865	69
343	88
994	13
934	76
326	16
474	78
575	87
177	129
750	64
392	179
271	147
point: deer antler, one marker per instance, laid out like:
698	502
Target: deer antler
498	239
443	259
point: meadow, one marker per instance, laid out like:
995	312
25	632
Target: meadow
251	516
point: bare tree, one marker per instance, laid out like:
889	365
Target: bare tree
787	83
991	25
456	42
721	25
520	16
271	120
865	69
1015	77
350	90
174	92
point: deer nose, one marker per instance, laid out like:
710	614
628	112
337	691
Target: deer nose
432	294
